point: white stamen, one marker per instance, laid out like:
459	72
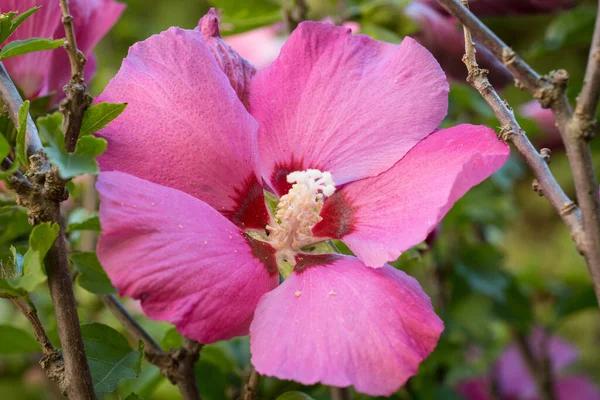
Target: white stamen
298	212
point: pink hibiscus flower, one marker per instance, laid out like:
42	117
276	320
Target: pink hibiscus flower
515	382
342	129
45	72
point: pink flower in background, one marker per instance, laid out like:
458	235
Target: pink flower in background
45	72
545	119
508	7
442	36
342	129
514	381
261	46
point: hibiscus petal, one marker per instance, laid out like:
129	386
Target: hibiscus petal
345	104
340	323
187	263
184	115
30	71
379	218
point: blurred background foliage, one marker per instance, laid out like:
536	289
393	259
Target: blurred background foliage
501	262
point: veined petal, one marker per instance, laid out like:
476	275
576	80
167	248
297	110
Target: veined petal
184	115
379	218
187	263
345	104
341	323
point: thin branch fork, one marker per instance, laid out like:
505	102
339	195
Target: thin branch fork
550	91
512	132
177	365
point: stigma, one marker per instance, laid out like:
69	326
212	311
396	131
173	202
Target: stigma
298	212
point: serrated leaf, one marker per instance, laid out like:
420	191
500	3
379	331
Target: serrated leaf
81	161
98	116
109	356
9	24
50	130
16	341
295	395
91	275
20	47
22	134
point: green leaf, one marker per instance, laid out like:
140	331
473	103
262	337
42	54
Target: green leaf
20	47
11	170
91	275
576	299
50	130
109	356
133	396
295	395
32	273
22	133
4	147
81	161
98	116
85	223
172	339
16	341
8	24
515	308
249	14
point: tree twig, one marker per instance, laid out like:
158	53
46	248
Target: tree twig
52	361
177	365
251	388
511	131
339	393
550	91
78	100
42	201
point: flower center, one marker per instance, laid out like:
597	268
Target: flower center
298	212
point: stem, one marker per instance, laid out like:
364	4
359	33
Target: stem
576	136
61	291
339	393
513	133
187	384
539	369
550	91
38	329
252	386
42	200
78	100
177	366
52	361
